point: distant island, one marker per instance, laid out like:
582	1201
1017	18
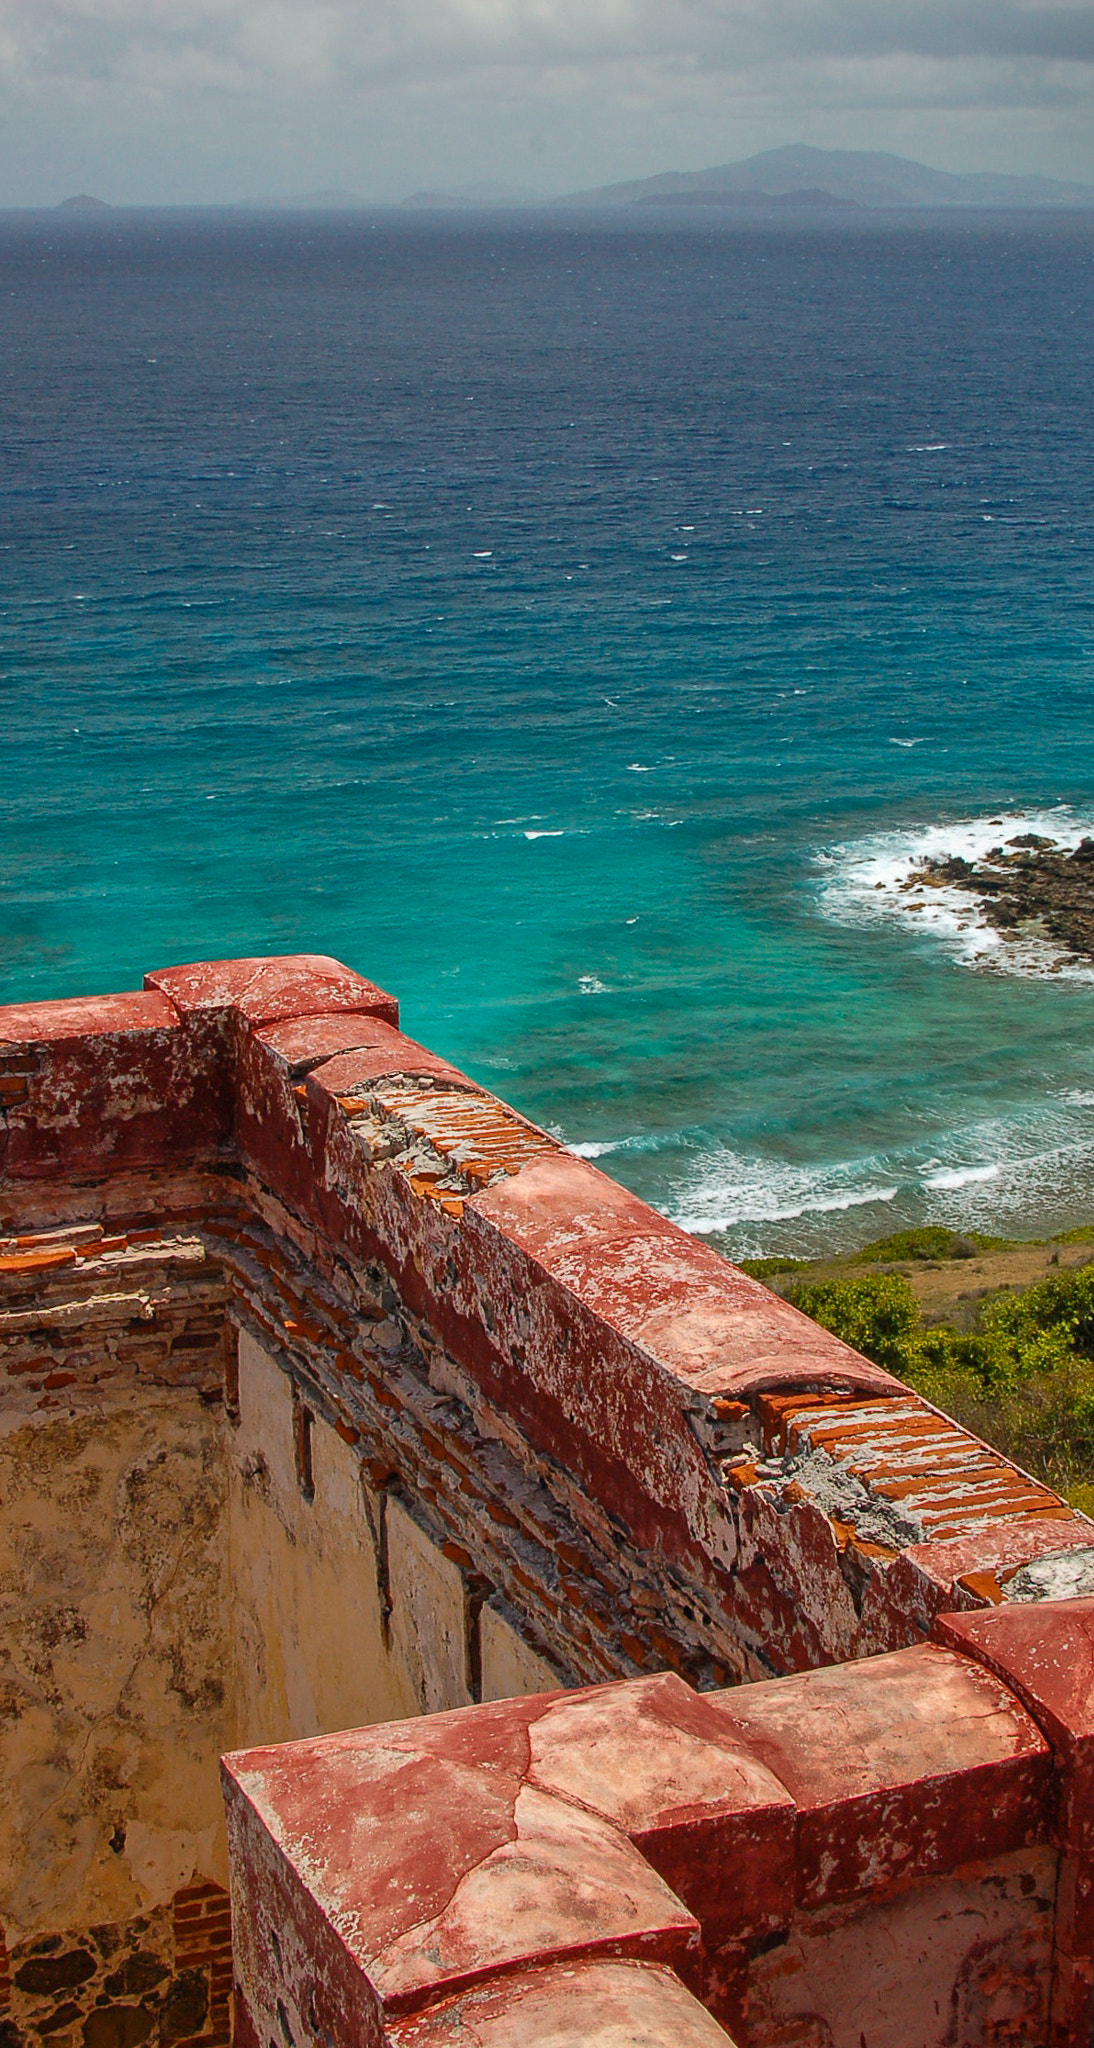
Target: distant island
814	180
796	177
479	195
804	176
812	195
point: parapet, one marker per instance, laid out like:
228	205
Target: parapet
893	1851
596	1466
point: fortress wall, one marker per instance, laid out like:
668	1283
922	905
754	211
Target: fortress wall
472	1423
697	1474
116	1628
871	1853
174	1582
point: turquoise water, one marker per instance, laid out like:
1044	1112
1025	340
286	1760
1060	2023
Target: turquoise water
568	623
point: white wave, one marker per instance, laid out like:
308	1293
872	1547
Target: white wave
721	1215
1020	1173
725	1189
959	1177
556	832
1023	1172
639	1141
590	986
872	881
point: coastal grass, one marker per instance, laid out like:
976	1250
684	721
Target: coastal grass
1021	1377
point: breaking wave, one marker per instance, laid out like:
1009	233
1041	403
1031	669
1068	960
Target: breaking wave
871	881
1002	1174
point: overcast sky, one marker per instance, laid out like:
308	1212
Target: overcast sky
159	101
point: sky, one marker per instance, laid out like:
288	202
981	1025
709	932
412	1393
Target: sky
160	102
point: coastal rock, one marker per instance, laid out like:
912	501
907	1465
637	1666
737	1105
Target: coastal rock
1030	884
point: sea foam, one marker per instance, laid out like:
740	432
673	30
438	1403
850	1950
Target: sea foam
869	881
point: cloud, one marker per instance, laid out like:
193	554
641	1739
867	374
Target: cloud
251	46
218	98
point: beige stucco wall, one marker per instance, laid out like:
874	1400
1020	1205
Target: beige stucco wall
168	1592
113	1651
313	1647
308	1638
510	1667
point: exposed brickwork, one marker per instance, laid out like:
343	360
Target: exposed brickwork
94	1310
202	1928
616	1439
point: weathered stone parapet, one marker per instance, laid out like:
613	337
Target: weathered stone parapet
365	1384
785	1501
866	1853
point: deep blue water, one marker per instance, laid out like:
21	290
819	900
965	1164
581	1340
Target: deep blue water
555	618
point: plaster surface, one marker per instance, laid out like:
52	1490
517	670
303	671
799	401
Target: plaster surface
115	1649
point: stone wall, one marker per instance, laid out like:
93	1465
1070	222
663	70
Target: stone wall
887	1854
346	1608
334	1392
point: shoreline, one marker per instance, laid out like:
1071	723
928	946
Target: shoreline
1030	887
949	1283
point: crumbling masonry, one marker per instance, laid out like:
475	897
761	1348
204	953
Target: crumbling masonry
702	1682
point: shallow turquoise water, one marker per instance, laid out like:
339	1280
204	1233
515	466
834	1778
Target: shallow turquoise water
553	619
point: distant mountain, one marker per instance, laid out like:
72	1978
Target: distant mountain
856	177
810	196
477	195
82	202
797	176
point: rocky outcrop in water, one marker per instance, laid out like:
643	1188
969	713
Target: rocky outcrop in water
1029	888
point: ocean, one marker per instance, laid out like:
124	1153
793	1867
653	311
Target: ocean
579	624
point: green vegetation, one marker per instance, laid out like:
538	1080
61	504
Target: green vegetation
766	1269
1023	1378
931	1241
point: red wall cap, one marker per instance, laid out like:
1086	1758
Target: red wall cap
101	1085
1044	1650
901	1765
437	1861
85	1017
375	1045
573	2005
664	1290
270	990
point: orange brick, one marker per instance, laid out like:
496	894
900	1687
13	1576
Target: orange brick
36	1262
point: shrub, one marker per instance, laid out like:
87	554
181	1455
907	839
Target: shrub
878	1316
930	1241
1057	1311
